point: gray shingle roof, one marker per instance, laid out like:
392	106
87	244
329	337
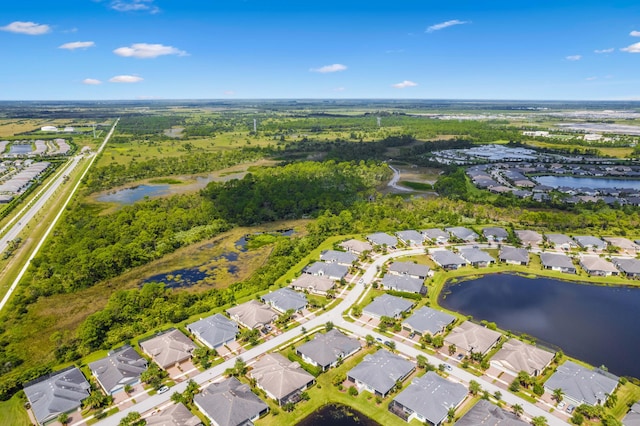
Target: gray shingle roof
332	270
472	337
230	403
428	320
410	237
381	370
313	283
340	257
529	237
474	255
435	234
215	330
121	367
387	305
588	241
633	416
446	257
403	283
381	238
325	349
285	299
279	376
485	413
462	233
431	396
173	415
495	232
581	384
252	314
57	393
517	356
513	254
597	264
628	266
560	239
556	260
169	348
409	268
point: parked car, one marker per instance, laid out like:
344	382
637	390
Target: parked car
163	389
570	409
448	367
460	356
561	405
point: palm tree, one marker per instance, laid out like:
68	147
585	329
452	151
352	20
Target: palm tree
452	349
474	387
558	394
451	414
517	409
539	421
369	339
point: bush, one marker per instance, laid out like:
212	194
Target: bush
577	418
538	389
353	391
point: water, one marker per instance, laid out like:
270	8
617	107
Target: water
591	183
181	278
20	149
131	195
593	323
337	415
241	244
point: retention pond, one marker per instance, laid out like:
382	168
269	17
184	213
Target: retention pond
337	415
596	324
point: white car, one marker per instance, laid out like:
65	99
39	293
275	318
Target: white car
561	405
163	389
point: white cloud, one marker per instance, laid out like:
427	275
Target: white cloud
91	81
611	49
229	93
146	50
339	89
134	6
125	79
634	48
77	45
634	33
329	68
573	57
591	78
446	24
30	28
404	84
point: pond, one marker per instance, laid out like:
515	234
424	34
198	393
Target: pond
583	182
131	195
186	277
595	324
337	415
20	149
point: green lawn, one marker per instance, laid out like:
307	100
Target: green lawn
12	412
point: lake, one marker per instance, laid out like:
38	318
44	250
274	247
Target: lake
592	323
20	149
337	415
181	278
131	195
583	182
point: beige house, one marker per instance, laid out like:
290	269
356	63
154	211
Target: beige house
280	378
169	348
312	284
516	356
472	338
252	314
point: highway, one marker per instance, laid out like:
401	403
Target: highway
17	225
335	316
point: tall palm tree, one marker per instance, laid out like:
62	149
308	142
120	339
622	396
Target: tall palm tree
517	409
558	394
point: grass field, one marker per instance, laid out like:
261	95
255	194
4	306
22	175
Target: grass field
12	412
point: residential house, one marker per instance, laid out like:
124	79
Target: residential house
513	255
379	372
437	236
630	267
428	321
598	266
557	262
230	403
581	385
382	239
214	331
495	234
447	260
121	367
516	356
168	348
529	238
624	245
280	378
252	314
485	413
326	350
560	241
633	416
334	271
462	233
356	246
56	393
476	257
411	238
339	257
589	242
428	399
471	338
387	306
312	284
411	269
285	299
173	415
403	283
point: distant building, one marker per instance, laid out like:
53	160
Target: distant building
339	257
382	239
411	238
514	256
560	241
437	236
596	265
447	259
462	233
356	246
411	269
477	257
333	271
48	129
557	262
496	234
403	283
589	242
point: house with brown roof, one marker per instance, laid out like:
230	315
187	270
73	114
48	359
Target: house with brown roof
529	238
472	338
230	403
280	378
252	314
516	356
312	284
596	265
173	415
356	246
169	348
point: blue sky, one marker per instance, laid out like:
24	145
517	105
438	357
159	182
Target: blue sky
212	49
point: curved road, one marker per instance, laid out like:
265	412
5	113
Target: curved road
335	316
393	183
